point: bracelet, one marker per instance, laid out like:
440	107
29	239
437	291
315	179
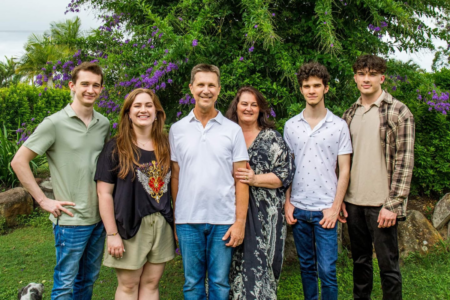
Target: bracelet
112	234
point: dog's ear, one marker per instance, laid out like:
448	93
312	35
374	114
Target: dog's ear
35	295
19	295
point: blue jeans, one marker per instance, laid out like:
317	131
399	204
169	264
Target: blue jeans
317	251
203	250
79	252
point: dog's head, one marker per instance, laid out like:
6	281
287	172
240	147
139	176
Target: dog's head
32	291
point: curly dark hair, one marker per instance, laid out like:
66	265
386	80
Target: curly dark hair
371	62
264	110
313	69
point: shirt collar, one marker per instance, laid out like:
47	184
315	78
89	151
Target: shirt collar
386	97
218	118
71	113
328	117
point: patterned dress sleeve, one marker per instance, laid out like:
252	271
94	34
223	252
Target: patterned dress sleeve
282	161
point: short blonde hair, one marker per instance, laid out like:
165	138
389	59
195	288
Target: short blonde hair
204	68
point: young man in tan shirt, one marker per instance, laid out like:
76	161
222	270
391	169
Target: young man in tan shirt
382	132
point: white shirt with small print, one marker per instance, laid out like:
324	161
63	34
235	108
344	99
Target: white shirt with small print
205	155
316	151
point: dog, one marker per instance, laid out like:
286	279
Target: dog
32	291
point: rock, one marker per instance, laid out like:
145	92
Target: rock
47	187
444	231
290	252
416	234
15	202
441	214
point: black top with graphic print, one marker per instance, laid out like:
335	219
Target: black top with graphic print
147	193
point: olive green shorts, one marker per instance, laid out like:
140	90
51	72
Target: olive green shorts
152	243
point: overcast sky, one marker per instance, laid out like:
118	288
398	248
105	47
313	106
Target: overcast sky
20	18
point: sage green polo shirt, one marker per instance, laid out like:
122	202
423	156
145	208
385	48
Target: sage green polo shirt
72	151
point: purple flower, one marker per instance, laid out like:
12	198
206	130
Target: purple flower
115	125
152	46
24	124
164	62
155	63
251	49
169	80
143	46
44	69
324	22
273	14
272	113
241	58
419	97
394	88
178	115
332	45
256	26
326	13
163	85
32	119
194	43
127	41
377	29
179	18
167	51
384	24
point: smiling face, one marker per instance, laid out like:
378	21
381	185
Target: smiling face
87	88
142	112
369	81
247	109
313	90
205	88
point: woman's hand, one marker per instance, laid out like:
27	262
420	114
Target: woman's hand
115	246
246	175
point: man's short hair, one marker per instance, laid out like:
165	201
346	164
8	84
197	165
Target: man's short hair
313	69
370	62
87	66
204	68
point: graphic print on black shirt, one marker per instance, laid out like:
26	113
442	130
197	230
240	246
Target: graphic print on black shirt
151	178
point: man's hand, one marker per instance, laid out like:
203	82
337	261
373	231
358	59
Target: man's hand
330	217
115	246
237	233
56	207
386	218
343	214
289	213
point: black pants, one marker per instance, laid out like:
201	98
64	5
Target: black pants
363	231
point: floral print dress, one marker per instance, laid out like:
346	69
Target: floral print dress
257	262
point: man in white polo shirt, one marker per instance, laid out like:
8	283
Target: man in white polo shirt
319	140
210	206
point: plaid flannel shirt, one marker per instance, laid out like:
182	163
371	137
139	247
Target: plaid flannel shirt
397	131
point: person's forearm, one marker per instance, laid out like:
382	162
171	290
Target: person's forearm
288	194
106	207
269	180
242	197
23	172
174	190
344	177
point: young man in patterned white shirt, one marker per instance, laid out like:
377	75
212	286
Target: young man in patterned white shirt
319	140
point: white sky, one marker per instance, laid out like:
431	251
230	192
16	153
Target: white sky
21	18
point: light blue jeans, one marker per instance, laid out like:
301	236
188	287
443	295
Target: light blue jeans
317	250
79	252
203	250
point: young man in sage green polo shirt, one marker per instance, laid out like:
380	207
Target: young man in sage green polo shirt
72	139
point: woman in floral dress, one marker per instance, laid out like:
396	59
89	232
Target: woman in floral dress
256	265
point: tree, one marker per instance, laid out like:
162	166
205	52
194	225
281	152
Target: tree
8	74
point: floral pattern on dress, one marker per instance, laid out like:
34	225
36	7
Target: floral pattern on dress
257	262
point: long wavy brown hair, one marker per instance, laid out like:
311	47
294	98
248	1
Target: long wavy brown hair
126	138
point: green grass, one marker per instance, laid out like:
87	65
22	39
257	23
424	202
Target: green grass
27	255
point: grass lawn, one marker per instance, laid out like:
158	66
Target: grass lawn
27	255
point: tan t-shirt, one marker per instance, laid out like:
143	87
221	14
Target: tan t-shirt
368	178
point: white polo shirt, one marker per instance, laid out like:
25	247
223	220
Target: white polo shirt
316	151
206	190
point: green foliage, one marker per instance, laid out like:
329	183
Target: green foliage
442	78
22	103
8	149
8	74
38	218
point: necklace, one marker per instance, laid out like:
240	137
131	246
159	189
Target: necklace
142	144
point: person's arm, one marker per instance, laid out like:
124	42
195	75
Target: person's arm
403	169
289	208
174	189
106	206
21	166
237	231
248	176
330	215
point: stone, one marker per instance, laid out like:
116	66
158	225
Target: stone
444	231
13	203
47	187
441	214
416	234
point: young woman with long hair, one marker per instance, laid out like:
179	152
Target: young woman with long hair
133	179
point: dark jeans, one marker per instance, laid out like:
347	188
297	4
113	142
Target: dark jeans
363	231
318	252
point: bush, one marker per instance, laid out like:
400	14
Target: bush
29	105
